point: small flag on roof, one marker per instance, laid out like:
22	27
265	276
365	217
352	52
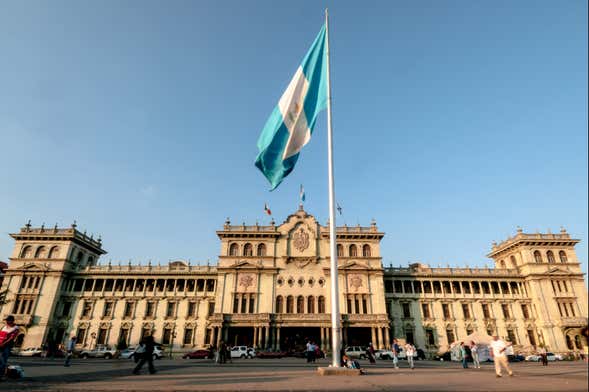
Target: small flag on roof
302	194
266	209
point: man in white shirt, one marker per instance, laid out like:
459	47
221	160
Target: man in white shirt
499	356
410	351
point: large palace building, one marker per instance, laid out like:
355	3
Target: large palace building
270	289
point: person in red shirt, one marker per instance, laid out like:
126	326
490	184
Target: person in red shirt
8	335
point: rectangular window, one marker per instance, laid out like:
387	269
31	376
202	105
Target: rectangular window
129	306
486	313
101	338
187	336
167	337
211	308
409	336
406	310
525	311
364	307
65	312
531	337
350	309
511	336
425	310
357	305
108	308
236	304
243	304
124	336
476	288
450	336
145	332
191	309
208	336
171	309
429	337
505	310
81	335
252	303
150	309
87	309
572	309
466	311
446	311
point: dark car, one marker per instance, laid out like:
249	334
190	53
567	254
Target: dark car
447	356
271	354
198	354
420	354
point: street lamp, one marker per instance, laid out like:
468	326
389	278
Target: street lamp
93	336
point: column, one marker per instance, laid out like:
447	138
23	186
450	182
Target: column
323	345
373	335
380	345
267	337
260	342
278	338
255	342
225	334
387	341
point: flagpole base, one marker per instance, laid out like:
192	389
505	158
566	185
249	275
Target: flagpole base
338	371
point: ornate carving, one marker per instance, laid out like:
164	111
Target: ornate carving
300	240
355	281
301	262
246	280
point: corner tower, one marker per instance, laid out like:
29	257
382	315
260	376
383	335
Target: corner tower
41	262
553	281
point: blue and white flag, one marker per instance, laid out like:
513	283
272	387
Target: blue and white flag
302	194
291	123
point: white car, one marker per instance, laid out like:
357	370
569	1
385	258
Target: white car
383	354
30	352
355	352
549	357
242	352
129	352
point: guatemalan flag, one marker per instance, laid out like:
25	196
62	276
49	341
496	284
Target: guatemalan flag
291	123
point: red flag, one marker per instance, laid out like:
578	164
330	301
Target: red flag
267	209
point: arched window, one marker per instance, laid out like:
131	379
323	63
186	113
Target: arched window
340	250
53	253
353	251
550	256
502	264
311	304
563	256
27	252
261	250
537	256
569	342
321	304
513	262
279	304
300	304
248	250
290	304
366	250
578	342
233	249
41	252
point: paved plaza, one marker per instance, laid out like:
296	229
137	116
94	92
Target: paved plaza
289	374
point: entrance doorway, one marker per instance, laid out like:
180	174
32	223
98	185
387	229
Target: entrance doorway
359	336
240	336
295	338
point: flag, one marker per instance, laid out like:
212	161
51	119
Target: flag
339	209
291	123
302	194
267	210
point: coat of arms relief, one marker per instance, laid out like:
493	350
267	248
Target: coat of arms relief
300	240
355	281
246	281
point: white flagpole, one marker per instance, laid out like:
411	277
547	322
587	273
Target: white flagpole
335	316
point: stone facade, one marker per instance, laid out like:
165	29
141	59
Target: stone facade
270	289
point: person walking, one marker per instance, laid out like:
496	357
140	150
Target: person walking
70	351
410	351
395	353
146	356
544	356
497	351
228	353
8	335
474	351
310	352
222	352
463	355
370	353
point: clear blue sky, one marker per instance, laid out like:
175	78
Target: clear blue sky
454	121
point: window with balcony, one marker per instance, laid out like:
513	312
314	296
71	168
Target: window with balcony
188	332
486	311
150	309
171	309
108	309
129	307
191	312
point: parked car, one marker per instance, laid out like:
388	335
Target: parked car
271	354
100	351
383	354
130	352
30	352
516	358
197	354
403	355
549	356
447	356
356	352
242	352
